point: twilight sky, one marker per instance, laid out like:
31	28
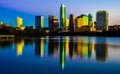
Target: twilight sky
27	9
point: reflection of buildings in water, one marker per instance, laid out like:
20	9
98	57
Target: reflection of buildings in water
78	46
29	41
101	50
67	45
46	39
20	46
62	52
6	43
71	48
81	46
91	47
85	47
53	46
39	47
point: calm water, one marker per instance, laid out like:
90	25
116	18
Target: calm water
60	55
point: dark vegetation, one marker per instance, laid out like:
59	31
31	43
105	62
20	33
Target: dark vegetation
114	31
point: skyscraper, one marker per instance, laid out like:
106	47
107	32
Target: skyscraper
54	25
39	22
102	20
62	16
50	18
67	22
19	21
91	23
90	20
72	22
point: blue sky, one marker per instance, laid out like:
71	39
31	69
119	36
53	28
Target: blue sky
27	9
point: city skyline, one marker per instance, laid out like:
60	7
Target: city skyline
72	7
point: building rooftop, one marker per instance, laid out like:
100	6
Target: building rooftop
63	5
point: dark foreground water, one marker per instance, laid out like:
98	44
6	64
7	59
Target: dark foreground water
60	55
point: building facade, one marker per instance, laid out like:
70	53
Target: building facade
62	16
19	22
72	22
39	22
102	20
54	26
81	21
50	18
53	23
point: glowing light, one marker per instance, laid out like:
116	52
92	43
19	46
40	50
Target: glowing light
20	47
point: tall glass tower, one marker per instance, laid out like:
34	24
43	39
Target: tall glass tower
72	22
102	20
39	22
62	16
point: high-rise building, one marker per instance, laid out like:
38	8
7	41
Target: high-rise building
91	23
62	16
50	18
54	25
90	20
102	20
19	21
72	22
81	21
39	22
67	22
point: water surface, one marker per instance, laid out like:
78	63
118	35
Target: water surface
65	54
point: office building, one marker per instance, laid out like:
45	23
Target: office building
81	21
91	23
67	22
102	20
90	20
72	22
62	16
19	21
50	18
53	23
39	22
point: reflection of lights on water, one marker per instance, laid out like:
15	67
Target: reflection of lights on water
62	52
63	59
20	47
42	47
67	45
